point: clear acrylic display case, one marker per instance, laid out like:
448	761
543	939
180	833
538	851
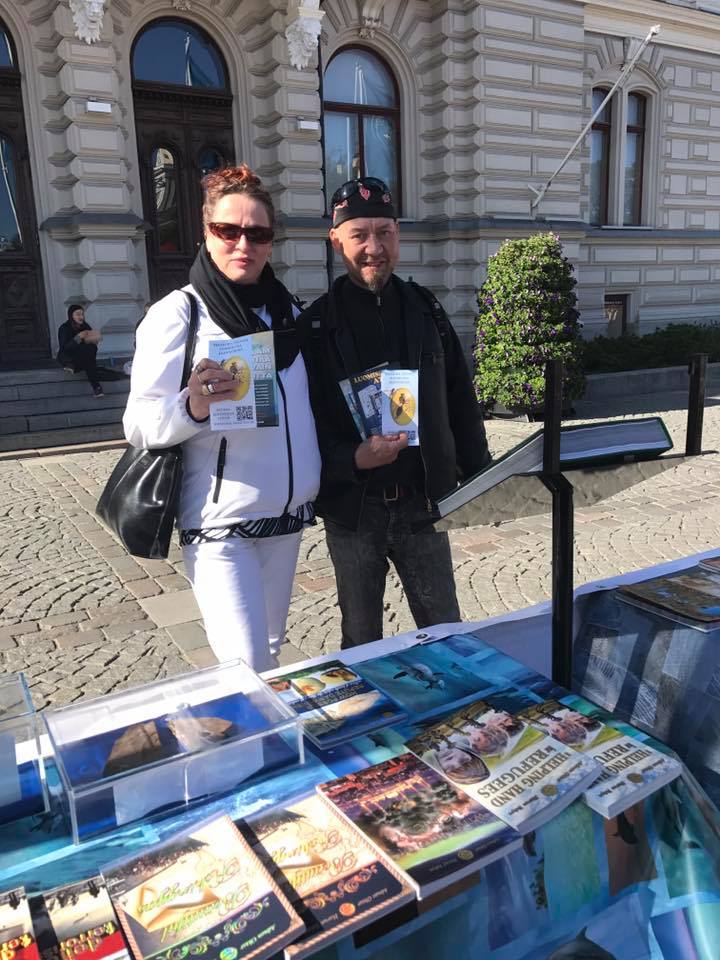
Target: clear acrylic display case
23	790
152	749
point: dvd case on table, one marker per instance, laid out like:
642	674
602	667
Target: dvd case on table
168	744
23	789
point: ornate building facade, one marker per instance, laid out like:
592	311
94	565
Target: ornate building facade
461	106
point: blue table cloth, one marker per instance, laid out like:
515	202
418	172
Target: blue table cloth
643	886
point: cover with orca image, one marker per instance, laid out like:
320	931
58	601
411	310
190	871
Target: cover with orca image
515	770
334	702
401	404
433	832
424	680
17	937
251	361
632	769
201	892
77	922
337	882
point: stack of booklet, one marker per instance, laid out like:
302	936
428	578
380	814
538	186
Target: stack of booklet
516	771
433	832
384	400
77	922
631	769
17	938
691	597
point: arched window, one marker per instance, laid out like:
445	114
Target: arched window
176	52
634	156
600	158
362	119
10	233
7	58
618	195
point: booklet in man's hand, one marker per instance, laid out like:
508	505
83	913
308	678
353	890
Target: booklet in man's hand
516	771
632	770
251	361
401	404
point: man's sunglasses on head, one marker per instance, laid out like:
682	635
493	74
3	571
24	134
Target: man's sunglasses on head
231	233
355	186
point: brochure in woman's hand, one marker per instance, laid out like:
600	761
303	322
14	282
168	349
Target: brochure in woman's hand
251	361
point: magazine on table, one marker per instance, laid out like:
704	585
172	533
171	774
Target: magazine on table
515	770
251	361
632	770
694	594
334	702
432	831
17	937
424	680
401	404
201	892
337	881
77	922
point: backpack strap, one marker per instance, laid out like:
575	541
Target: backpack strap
437	311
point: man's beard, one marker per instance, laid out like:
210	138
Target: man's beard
374	279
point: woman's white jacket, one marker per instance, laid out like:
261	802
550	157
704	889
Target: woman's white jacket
254	473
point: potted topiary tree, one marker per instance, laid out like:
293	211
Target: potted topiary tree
526	316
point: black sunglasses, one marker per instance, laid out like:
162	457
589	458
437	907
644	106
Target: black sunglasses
354	186
231	233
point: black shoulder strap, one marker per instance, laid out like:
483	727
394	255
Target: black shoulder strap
191	338
437	311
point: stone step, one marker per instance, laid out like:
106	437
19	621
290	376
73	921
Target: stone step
72	387
54	373
115	399
61	438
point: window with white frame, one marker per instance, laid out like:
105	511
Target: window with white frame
619	192
361	106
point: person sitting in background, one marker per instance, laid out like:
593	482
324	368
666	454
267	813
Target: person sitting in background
78	344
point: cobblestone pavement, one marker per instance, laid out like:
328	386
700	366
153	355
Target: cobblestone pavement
81	618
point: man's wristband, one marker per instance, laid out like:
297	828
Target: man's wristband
190	414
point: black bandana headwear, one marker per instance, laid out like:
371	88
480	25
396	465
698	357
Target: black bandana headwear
231	305
364	197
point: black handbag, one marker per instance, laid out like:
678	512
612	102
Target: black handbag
139	502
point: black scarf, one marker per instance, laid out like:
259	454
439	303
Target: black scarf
231	304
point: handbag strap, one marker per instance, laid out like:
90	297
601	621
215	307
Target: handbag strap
191	337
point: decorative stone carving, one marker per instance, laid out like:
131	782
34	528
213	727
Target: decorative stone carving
88	18
370	17
302	31
182	4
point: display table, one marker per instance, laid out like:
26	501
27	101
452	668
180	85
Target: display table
644	885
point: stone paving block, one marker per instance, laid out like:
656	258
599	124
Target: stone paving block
156	568
110	615
8	643
144	588
203	657
127	569
289	654
18	629
172	583
61	619
188	636
79	638
121	631
171	608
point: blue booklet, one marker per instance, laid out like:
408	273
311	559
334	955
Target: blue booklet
334	702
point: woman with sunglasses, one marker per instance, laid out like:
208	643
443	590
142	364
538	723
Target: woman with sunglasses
246	494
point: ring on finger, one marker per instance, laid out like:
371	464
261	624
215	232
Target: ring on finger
199	368
210	388
205	389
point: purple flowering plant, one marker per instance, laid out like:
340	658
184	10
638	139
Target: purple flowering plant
526	316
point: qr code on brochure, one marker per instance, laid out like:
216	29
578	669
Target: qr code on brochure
243	413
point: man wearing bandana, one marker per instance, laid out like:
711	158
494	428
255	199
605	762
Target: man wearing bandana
373	492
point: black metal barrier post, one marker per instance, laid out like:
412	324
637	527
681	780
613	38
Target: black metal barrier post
696	404
562	528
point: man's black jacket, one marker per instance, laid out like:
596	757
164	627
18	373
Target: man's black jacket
453	444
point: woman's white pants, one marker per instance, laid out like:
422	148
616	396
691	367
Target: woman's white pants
243	588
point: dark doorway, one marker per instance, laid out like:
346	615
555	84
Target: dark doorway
184	130
23	318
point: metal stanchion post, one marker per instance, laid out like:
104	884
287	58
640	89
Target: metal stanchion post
696	404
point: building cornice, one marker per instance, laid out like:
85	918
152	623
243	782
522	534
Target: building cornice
679	26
